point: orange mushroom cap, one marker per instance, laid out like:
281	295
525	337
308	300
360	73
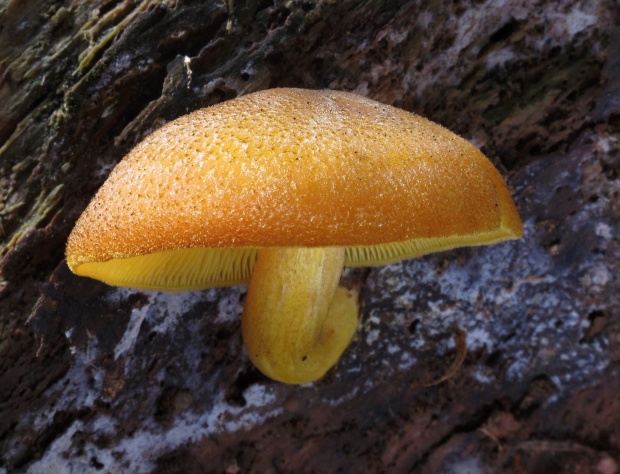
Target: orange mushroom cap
190	206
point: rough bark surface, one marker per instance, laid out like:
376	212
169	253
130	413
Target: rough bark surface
101	379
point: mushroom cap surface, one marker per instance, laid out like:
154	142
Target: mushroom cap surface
190	206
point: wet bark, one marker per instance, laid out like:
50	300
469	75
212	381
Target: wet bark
101	379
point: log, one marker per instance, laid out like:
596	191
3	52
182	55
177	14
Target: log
101	379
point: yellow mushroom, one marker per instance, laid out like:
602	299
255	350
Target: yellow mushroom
282	188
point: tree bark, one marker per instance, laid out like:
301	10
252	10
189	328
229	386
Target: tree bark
102	379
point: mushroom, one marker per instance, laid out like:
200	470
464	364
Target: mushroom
282	188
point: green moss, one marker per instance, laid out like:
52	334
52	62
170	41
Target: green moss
41	208
87	57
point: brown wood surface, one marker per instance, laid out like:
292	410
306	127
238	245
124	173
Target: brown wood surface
100	379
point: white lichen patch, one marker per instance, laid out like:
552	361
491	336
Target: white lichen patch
372	336
79	389
347	397
483	374
131	333
122	62
597	276
465	466
393	349
136	453
603	230
371	328
554	27
499	58
527	303
479	338
168	308
229	304
407	360
175	317
605	143
575	20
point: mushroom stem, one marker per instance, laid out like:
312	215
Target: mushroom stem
297	321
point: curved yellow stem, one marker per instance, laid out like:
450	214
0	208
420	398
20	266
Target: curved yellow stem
297	322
